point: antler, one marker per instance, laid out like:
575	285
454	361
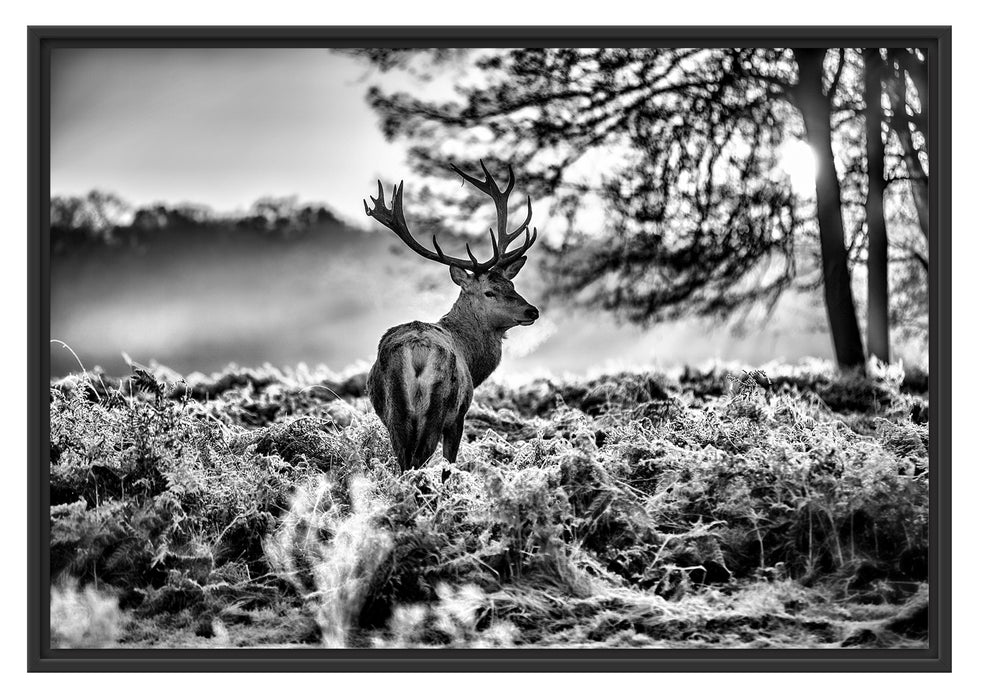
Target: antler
501	200
393	219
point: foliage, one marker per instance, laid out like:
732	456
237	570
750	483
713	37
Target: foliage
685	144
83	619
682	149
724	506
93	216
102	218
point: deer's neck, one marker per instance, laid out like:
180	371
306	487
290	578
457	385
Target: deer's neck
480	344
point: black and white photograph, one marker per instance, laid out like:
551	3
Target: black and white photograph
477	348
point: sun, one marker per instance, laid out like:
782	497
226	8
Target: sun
798	160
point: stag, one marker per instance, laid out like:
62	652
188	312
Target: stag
424	377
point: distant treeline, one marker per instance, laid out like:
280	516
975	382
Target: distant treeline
104	219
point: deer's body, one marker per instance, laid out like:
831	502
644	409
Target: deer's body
423	380
421	387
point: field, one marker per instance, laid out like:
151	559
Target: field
721	507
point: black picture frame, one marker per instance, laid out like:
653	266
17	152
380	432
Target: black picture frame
40	657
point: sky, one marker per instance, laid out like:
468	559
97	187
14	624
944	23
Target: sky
223	128
216	127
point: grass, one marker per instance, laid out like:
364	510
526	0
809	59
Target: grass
782	507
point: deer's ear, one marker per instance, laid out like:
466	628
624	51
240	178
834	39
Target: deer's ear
460	276
513	269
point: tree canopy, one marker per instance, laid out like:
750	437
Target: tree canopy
682	151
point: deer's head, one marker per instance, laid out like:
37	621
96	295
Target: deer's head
492	298
486	287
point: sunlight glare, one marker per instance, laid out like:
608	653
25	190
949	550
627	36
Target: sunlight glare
799	162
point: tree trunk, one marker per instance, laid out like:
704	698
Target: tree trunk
917	177
840	308
878	331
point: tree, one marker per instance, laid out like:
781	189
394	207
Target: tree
907	90
684	145
878	330
815	105
95	215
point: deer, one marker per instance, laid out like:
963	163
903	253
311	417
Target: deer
424	376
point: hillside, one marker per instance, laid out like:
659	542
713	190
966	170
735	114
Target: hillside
778	508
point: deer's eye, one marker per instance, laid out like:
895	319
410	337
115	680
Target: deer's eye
490	294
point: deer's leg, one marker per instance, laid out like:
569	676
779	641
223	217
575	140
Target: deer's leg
428	428
452	441
402	450
424	448
452	436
